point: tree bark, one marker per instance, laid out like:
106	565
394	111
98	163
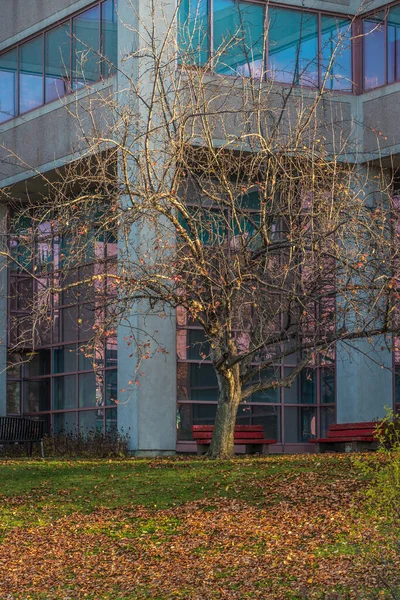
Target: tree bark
230	394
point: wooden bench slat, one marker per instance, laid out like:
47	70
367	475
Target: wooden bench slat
237	428
361	438
350	432
199	435
239	442
363	425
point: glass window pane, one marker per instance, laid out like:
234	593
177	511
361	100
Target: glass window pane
64	359
31	74
193	39
64	392
328	417
64	423
300	424
239	38
57	62
291	395
328	394
270	418
91	387
85	50
270	395
336	53
38	363
111	387
393	44
109	37
91	421
13	397
36	395
374	52
8	70
293	46
111	420
111	352
308	388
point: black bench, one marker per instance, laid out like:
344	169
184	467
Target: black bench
22	430
249	436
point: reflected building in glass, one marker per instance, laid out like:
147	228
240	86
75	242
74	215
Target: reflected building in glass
349	49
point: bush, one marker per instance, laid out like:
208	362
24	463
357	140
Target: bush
92	444
388	431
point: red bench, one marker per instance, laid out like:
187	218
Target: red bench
249	436
348	437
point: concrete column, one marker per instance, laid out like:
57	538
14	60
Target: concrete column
364	380
3	311
146	399
364	373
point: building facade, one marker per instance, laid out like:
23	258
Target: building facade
55	54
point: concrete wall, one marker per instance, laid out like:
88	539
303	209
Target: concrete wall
28	16
47	136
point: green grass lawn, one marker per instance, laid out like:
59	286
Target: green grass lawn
274	527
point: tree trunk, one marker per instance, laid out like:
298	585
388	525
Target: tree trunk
230	394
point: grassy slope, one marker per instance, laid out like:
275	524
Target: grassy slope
281	527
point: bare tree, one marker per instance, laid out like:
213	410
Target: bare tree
238	202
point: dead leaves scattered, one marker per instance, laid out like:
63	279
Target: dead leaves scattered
310	536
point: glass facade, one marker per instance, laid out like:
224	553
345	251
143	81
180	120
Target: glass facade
57	374
381	42
291	415
287	45
39	71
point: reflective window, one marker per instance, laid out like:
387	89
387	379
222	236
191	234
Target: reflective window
293	46
239	38
64	392
393	44
57	62
336	53
109	40
31	75
193	38
64	423
8	70
374	52
85	47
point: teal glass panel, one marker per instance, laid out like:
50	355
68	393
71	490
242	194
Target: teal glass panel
269	395
239	38
111	387
13	397
193	36
109	41
308	388
91	389
64	392
64	359
31	74
8	70
111	421
374	52
336	52
64	423
328	393
300	425
393	44
57	44
293	46
36	395
91	421
85	47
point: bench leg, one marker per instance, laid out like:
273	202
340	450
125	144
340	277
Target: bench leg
202	448
42	448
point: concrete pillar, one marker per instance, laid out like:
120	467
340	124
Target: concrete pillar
364	380
3	311
364	373
147	398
